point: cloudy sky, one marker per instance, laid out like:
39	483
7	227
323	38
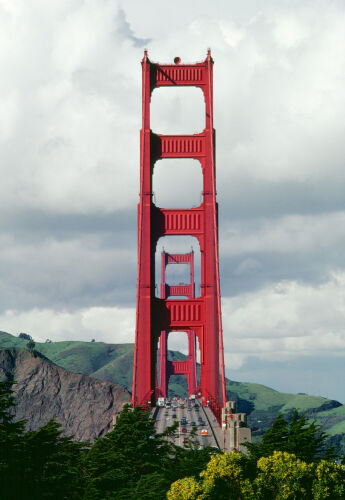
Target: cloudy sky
70	98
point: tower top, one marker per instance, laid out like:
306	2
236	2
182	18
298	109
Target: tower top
177	59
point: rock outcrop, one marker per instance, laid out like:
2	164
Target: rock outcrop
84	406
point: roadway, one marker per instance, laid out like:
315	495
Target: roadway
192	414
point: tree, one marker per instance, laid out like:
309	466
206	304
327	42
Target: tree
31	345
52	468
38	464
282	476
190	460
119	463
25	336
133	462
225	478
10	440
306	441
329	482
187	488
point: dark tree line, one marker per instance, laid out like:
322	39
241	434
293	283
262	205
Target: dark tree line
305	440
131	462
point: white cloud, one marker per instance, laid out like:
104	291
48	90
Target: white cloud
286	320
105	324
287	234
70	92
68	273
72	102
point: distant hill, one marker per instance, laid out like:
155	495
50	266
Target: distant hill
114	363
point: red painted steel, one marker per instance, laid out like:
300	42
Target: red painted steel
166	367
202	315
182	289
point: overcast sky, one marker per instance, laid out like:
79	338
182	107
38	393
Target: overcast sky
70	99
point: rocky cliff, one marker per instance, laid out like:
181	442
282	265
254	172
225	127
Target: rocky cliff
83	405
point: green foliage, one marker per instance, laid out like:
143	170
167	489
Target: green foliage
31	345
38	464
24	336
133	462
52	464
329	482
264	397
130	462
286	465
114	363
306	441
189	461
120	460
224	478
281	476
187	488
10	438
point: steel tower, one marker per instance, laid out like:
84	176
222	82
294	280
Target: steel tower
201	315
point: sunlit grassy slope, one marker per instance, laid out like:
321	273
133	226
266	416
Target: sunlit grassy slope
109	362
334	419
114	363
264	397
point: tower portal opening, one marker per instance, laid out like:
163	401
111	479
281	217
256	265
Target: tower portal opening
178	386
177	110
178	344
177	183
178	245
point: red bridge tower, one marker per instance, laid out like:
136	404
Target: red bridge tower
201	315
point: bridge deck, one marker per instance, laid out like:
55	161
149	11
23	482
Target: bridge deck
202	417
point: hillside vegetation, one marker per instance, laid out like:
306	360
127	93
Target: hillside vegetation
133	462
114	363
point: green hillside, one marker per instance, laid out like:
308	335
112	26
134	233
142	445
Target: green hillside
335	419
262	404
108	362
114	363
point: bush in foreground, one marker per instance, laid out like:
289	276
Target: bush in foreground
281	476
